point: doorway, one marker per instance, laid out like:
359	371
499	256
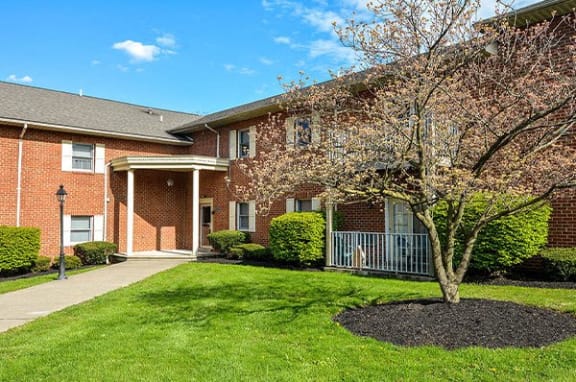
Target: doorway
205	222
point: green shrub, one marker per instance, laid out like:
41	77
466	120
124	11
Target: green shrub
298	237
19	247
94	252
222	241
41	264
502	243
70	262
560	263
251	251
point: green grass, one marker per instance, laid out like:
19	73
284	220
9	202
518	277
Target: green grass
212	322
15	284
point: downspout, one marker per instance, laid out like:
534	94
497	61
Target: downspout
217	139
106	201
19	180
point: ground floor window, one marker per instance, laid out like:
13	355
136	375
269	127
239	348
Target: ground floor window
80	229
243	216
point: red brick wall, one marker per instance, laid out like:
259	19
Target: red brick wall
159	211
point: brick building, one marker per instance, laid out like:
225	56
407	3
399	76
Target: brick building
152	179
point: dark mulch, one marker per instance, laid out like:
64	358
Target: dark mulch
472	322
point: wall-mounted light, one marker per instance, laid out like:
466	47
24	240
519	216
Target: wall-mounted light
170	182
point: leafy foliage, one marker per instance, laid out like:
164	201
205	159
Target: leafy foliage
19	247
70	262
251	251
42	264
223	241
560	263
94	252
298	237
504	242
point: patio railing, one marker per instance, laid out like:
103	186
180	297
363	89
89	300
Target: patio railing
387	252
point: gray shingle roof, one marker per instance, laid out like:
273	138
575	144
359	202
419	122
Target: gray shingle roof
68	110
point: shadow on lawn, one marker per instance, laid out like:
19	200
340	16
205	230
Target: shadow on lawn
287	297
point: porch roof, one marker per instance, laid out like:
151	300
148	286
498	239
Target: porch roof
170	162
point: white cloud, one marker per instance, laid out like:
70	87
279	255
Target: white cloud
15	78
138	51
266	61
166	40
243	70
95	62
322	20
282	40
333	49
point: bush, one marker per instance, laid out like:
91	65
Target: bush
42	264
222	241
502	243
70	262
298	237
337	219
250	251
94	252
19	247
560	263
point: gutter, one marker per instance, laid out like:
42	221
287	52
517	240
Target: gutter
217	139
19	173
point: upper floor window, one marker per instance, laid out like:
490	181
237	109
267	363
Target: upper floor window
300	131
242	143
82	156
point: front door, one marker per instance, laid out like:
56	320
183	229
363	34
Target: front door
205	223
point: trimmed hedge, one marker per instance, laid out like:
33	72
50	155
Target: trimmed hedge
560	263
94	252
250	251
19	247
298	237
42	264
70	262
222	241
502	243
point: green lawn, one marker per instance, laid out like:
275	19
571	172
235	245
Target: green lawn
15	284
213	322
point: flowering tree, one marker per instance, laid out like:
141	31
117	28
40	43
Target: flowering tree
445	109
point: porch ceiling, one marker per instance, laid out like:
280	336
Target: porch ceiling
170	162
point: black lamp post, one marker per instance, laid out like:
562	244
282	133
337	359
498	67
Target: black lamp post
61	195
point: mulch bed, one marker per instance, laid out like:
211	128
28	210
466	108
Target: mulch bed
472	322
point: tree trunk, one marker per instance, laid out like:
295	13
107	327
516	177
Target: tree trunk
450	292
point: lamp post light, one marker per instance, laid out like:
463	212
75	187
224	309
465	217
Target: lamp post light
61	195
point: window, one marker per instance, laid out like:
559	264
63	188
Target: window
243	216
242	143
83	228
82	156
299	131
302	205
80	229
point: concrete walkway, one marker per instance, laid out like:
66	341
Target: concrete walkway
24	305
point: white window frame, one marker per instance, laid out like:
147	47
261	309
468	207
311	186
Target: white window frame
97	157
295	205
234	217
96	228
235	148
292	132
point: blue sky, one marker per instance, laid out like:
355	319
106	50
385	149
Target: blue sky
186	55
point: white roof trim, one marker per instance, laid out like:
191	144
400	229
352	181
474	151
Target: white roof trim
170	162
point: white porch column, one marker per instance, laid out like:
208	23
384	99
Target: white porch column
130	212
329	210
195	211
